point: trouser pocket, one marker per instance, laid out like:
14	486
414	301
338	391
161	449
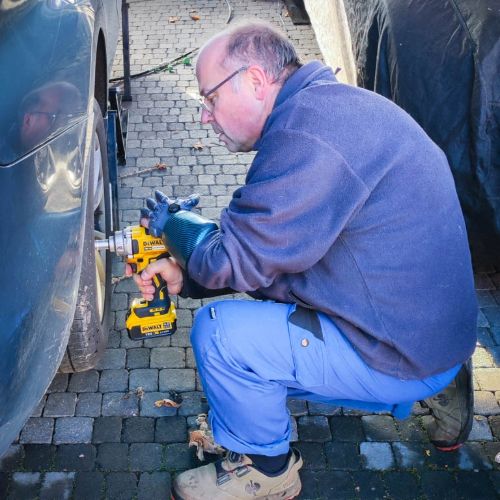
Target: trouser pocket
308	346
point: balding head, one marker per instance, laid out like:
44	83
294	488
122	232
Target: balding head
257	59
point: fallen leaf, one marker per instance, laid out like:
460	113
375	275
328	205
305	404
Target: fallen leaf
161	166
193	10
198	145
173	19
167	403
478	417
196	17
287	14
203	439
428	453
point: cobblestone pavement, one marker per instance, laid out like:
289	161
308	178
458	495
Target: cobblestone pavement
96	436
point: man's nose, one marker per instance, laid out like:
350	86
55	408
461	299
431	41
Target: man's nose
206	117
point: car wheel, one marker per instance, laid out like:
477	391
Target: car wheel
89	331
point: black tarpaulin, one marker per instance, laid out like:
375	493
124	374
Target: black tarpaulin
440	60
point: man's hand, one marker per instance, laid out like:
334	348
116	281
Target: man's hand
169	270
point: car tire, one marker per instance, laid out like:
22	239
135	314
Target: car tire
89	331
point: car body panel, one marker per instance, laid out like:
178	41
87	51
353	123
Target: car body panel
47	55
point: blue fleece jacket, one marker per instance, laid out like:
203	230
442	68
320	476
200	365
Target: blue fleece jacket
350	209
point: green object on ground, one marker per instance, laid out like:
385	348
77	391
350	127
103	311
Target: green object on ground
187	60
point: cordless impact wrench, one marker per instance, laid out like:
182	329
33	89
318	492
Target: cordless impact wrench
144	319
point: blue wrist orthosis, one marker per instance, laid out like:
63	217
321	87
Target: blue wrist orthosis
181	229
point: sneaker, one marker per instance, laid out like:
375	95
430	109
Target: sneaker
452	409
236	478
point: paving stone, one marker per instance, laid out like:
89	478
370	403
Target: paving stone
402	485
89	404
368	485
309	485
439	459
59	383
182	335
112	456
192	404
495	480
138	430
483	282
177	380
38	457
475	486
473	456
154	486
121	486
167	357
485	337
492	449
314	429
335	485
107	430
113	359
155	343
37	431
482	359
419	410
380	428
376	456
179	456
4	484
411	429
485	403
24	485
409	455
149	409
323	409
297	407
294	435
145	378
488	378
113	381
145	456
492	315
138	358
75	457
60	404
438	485
57	485
342	456
84	381
171	430
11	458
116	404
347	429
494	423
88	485
39	407
313	455
73	430
480	429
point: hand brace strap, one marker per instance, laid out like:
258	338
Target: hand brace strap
183	232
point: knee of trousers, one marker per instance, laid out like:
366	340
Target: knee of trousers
204	331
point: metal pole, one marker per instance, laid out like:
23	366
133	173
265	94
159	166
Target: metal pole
127	95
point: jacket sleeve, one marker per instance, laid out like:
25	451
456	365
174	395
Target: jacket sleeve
299	195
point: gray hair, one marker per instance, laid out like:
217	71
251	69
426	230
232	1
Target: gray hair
258	42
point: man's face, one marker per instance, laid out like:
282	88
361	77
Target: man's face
236	114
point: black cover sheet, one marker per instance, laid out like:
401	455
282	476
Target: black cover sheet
439	60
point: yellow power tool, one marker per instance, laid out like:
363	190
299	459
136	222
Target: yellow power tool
144	319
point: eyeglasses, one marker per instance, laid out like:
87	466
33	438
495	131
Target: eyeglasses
52	117
202	98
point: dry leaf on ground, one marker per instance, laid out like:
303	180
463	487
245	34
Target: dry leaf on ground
167	403
173	19
287	14
198	145
203	439
196	17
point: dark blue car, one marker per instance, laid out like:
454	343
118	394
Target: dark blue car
55	63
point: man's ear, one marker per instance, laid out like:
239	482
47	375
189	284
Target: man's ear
259	81
28	117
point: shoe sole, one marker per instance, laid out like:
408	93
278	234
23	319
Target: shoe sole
291	493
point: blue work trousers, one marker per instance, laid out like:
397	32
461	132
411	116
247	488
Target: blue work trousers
250	358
